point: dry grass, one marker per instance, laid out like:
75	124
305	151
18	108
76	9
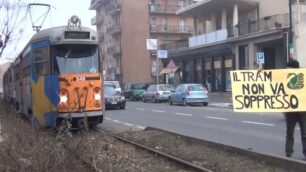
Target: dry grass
25	149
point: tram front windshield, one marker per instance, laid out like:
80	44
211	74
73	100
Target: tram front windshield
70	59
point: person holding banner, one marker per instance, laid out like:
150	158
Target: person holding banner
291	119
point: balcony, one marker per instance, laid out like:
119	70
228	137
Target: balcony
95	4
113	29
163	9
113	50
114	70
113	9
266	23
242	29
208	38
174	45
171	29
245	28
93	21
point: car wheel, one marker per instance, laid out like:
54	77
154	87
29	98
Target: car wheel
205	104
184	103
122	107
170	101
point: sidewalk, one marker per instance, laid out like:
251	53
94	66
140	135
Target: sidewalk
220	99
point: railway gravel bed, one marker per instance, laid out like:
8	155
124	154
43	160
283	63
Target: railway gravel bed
219	158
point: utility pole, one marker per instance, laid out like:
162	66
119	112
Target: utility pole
291	47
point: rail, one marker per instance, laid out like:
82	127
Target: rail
162	154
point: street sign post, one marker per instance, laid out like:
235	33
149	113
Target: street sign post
151	44
162	54
260	56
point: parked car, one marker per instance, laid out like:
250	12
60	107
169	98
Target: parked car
157	93
113	99
189	94
134	91
115	84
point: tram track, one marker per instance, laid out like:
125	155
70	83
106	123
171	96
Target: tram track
172	158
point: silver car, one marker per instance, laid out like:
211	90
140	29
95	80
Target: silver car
189	94
157	93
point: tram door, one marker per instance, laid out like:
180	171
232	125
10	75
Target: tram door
40	84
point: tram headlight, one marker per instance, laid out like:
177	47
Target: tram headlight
97	97
63	96
63	99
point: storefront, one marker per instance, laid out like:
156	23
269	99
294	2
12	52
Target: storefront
211	67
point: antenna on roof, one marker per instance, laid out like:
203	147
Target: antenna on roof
43	10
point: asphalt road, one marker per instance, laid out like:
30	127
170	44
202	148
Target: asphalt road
260	132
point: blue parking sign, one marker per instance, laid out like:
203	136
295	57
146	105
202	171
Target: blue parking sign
260	57
163	54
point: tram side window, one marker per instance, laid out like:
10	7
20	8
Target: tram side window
41	61
27	65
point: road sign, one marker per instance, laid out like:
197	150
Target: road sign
151	44
162	54
260	57
171	65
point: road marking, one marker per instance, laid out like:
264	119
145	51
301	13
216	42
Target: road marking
158	111
212	117
183	114
258	123
140	109
117	121
107	118
128	124
140	127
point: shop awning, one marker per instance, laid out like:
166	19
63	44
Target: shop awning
168	70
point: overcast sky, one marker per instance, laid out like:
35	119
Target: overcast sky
62	11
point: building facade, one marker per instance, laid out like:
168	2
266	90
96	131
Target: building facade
124	26
227	36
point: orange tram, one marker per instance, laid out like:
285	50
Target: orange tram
58	76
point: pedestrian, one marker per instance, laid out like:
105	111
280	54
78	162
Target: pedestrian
291	119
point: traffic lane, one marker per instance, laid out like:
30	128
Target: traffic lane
217	131
275	130
198	111
204	118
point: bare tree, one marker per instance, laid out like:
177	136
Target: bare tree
13	18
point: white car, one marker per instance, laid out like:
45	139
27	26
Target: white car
114	84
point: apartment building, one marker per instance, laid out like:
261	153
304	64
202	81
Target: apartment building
227	36
125	25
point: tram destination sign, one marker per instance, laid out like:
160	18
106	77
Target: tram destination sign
281	90
77	35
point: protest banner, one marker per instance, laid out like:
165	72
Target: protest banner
269	90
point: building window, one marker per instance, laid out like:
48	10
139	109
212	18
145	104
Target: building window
243	57
183	25
182	4
165	24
